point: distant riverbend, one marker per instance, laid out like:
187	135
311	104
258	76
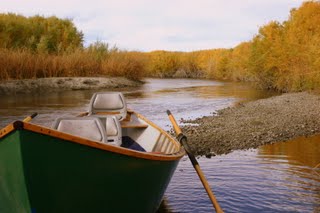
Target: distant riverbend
27	86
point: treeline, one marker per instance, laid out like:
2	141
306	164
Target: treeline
37	47
282	56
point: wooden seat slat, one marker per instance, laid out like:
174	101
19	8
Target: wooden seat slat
126	124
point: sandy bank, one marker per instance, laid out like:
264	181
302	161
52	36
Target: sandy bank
60	84
256	123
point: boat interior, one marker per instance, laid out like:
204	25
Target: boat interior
109	121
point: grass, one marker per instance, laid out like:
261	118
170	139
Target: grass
23	64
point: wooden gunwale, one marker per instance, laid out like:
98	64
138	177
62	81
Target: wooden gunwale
98	145
6	130
74	139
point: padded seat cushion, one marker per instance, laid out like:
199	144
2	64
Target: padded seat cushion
111	127
111	101
104	104
86	128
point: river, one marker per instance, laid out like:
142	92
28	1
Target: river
273	178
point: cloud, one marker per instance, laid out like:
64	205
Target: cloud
162	24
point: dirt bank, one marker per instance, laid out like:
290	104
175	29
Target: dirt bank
256	123
59	84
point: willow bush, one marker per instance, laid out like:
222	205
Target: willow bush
282	56
39	34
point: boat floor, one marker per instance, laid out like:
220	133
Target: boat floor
129	143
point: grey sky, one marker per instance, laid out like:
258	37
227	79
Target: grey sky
182	25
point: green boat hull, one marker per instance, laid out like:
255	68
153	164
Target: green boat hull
42	174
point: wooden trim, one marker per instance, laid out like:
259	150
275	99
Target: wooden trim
157	143
160	145
170	147
130	111
106	113
174	141
167	143
125	124
158	139
102	146
6	130
82	114
128	116
128	122
143	126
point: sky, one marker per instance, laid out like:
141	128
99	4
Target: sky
174	25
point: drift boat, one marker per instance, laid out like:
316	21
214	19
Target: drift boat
108	159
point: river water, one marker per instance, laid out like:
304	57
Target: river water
273	178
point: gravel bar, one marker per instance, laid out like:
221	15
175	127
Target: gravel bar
256	123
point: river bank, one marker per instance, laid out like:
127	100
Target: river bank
256	123
42	85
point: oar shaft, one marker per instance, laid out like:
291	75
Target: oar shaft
29	118
174	123
183	140
202	177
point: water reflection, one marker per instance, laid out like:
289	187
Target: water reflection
300	151
273	178
187	98
228	89
300	157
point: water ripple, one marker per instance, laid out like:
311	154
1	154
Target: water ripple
276	178
244	181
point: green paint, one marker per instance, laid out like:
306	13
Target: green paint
13	192
62	176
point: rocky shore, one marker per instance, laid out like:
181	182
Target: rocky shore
256	123
28	86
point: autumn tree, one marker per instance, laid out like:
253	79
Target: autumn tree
39	34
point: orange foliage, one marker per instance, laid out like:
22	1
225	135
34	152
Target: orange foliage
282	56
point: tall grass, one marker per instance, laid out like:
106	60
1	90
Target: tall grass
164	64
24	64
123	63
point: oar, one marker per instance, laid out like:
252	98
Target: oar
29	118
183	140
